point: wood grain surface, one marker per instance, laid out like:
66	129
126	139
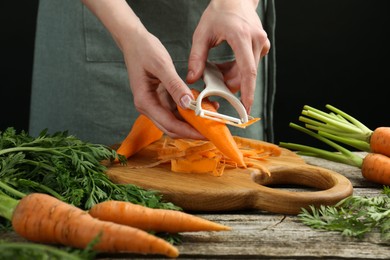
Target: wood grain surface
291	185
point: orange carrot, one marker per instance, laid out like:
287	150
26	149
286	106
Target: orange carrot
376	168
218	133
45	219
380	141
143	133
150	219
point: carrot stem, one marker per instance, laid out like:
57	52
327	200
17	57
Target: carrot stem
358	144
7	206
49	251
337	123
11	190
350	118
344	156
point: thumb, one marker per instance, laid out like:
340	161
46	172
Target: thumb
178	90
197	61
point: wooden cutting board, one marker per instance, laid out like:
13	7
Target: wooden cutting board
238	189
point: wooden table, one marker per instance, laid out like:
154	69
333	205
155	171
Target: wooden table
263	235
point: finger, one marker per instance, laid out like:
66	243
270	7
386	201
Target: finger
163	112
266	48
226	67
231	75
176	87
247	68
260	49
197	59
171	126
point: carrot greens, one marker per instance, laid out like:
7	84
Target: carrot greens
67	168
25	250
354	216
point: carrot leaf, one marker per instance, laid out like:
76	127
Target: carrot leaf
354	216
26	250
67	168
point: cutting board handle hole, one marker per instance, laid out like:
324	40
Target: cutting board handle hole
301	178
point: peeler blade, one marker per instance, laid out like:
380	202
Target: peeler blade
215	86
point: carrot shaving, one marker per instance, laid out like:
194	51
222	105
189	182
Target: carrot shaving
273	149
149	165
253	163
199	156
202	165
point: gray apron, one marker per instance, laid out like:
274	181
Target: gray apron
80	82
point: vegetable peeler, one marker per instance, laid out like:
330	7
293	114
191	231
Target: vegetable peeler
215	86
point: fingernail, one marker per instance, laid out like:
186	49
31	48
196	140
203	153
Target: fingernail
185	101
190	75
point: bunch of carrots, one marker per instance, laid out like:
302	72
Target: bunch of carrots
339	129
221	150
116	226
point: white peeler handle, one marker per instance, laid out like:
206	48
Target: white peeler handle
215	86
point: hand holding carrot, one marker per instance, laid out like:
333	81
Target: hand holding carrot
154	81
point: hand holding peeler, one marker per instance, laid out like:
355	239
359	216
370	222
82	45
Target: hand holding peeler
215	86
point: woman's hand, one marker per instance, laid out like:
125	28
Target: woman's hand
155	84
237	23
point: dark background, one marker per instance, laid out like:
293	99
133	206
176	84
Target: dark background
328	52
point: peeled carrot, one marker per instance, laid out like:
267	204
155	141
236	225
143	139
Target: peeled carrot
376	168
143	133
45	219
218	133
127	213
380	141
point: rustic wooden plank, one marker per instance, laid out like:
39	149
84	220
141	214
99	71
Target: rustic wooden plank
258	234
262	235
